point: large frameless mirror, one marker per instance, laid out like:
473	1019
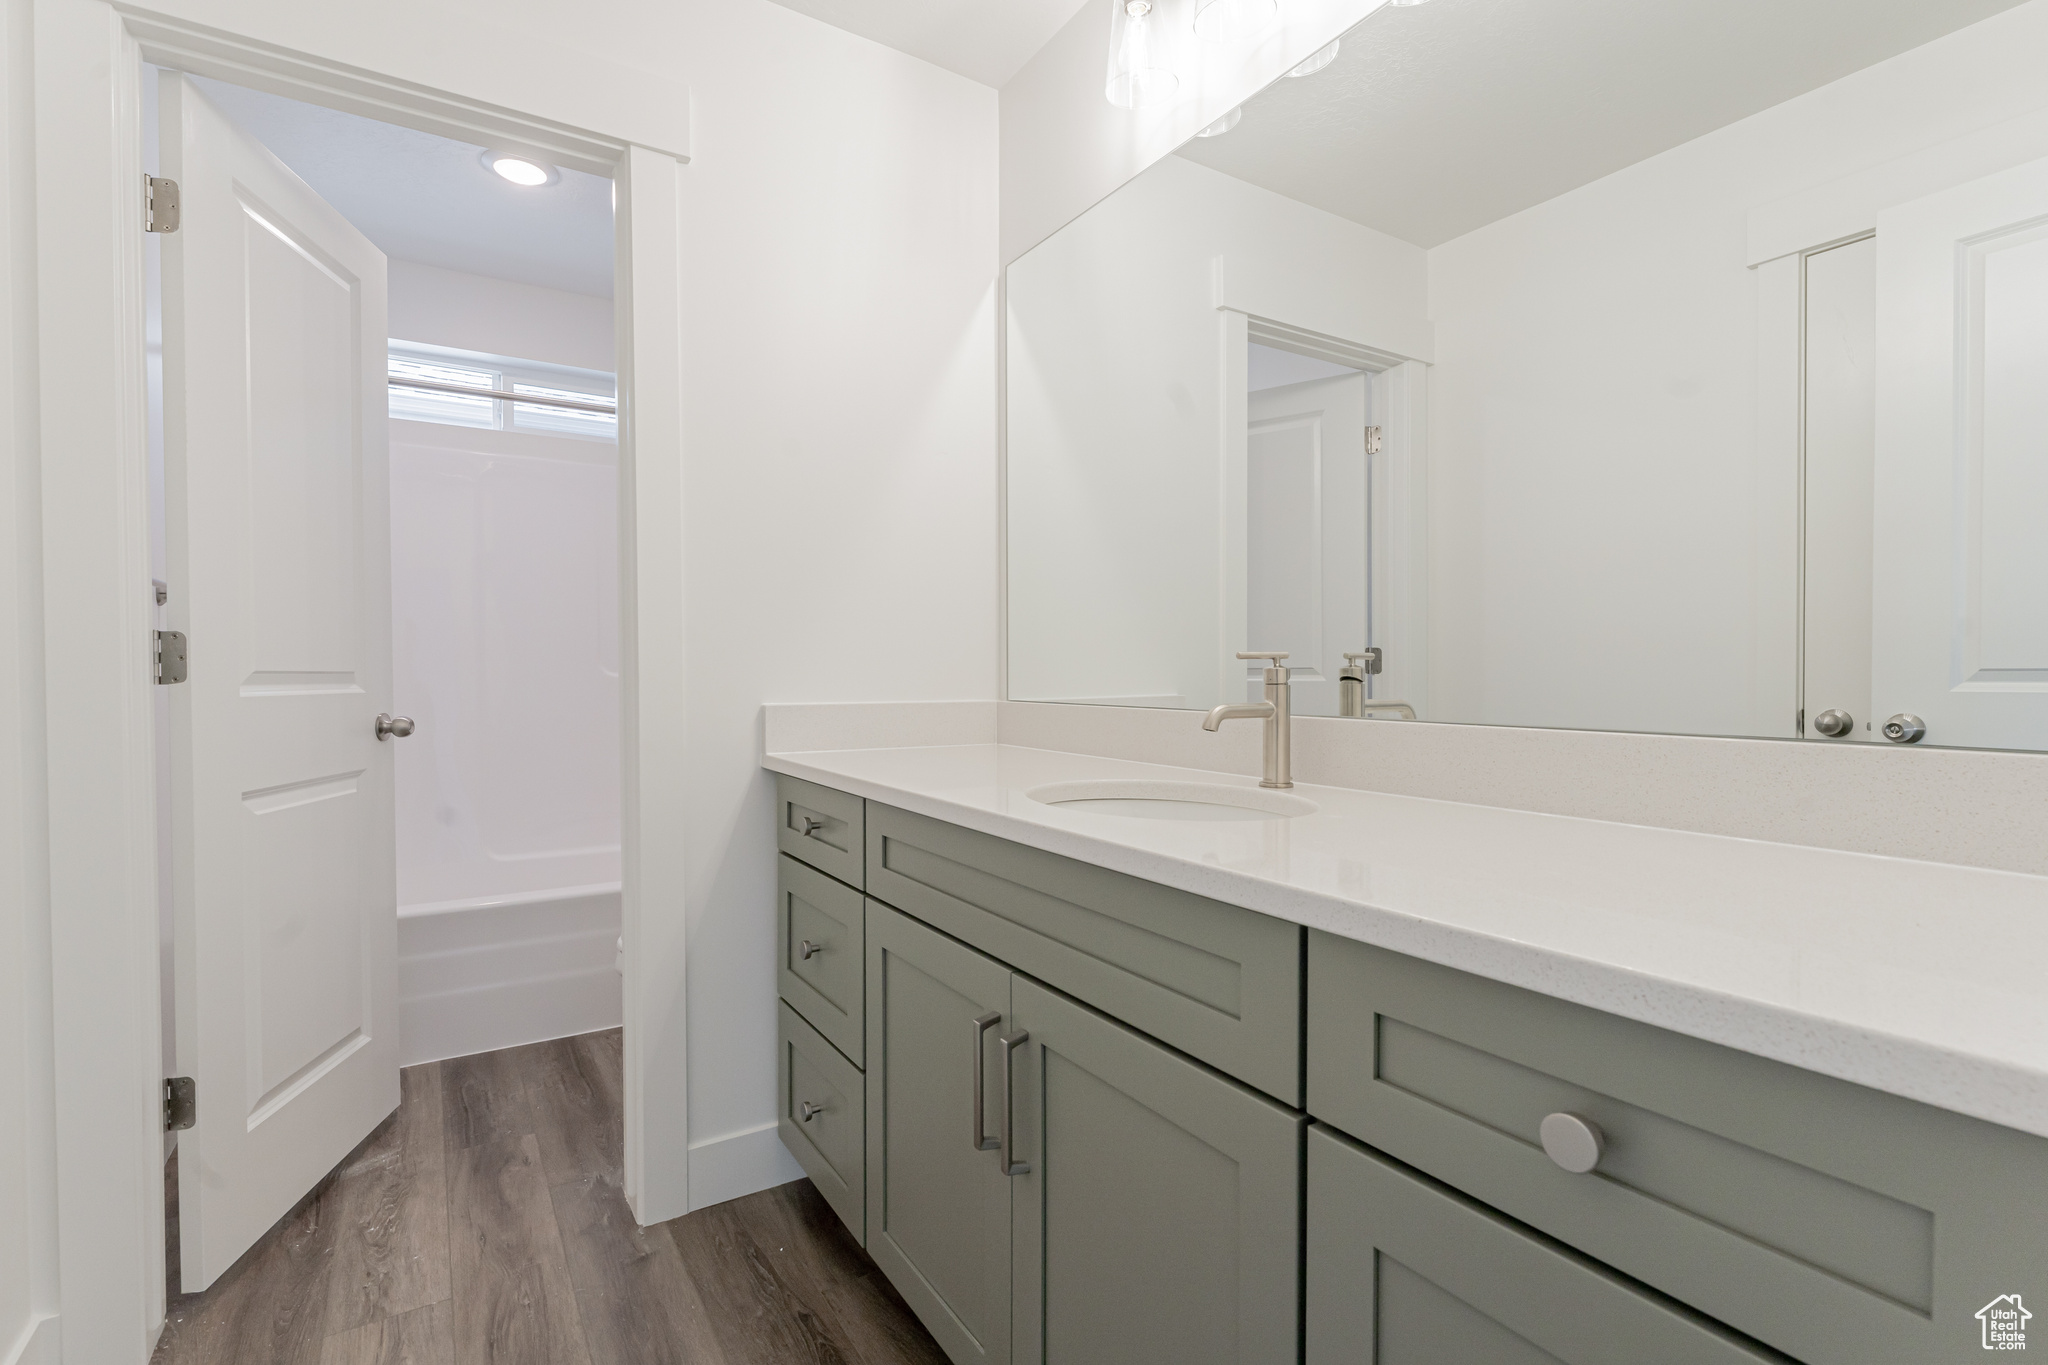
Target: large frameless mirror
1567	363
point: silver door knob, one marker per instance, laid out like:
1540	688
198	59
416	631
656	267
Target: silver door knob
1574	1143
1905	728
389	725
807	949
808	1111
1834	724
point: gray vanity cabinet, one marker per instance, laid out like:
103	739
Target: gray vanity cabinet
1158	1222
939	1205
1404	1271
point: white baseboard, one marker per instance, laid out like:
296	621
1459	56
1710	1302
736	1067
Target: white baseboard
37	1345
738	1164
487	977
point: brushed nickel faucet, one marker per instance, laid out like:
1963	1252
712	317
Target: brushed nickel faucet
1278	713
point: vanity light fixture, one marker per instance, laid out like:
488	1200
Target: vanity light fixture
1227	21
1316	60
1138	73
1224	124
521	170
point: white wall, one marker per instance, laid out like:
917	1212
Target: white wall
1121	371
28	1167
499	317
1612	546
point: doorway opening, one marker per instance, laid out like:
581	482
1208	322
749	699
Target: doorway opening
426	520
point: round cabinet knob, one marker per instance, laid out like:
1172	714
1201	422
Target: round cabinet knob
1574	1143
390	726
1834	724
809	1111
1905	728
807	949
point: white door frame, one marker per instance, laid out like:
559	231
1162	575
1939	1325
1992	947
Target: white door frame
97	619
1398	536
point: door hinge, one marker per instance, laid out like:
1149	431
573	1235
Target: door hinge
170	656
159	204
181	1103
1373	437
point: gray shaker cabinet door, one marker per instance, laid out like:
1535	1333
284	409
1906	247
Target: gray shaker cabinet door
1403	1271
1158	1224
938	1207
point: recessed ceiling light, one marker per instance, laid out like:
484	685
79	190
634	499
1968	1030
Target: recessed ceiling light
521	170
1224	124
1317	60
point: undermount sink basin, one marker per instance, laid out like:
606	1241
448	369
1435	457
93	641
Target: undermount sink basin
1172	800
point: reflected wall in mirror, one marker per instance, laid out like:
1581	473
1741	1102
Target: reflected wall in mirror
1665	368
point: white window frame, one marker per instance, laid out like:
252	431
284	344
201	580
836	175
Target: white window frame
510	374
90	581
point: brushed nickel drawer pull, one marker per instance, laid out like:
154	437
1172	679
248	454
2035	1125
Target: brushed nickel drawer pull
1573	1142
812	824
982	1141
808	1111
1010	1043
807	949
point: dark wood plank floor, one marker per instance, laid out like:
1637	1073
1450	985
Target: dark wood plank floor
484	1224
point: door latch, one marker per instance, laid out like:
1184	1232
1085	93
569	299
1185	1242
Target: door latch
181	1103
170	656
159	204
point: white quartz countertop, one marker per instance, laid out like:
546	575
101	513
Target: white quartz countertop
1921	979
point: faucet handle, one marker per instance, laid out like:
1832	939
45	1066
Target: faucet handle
1276	667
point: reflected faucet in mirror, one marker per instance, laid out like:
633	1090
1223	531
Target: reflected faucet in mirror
1352	703
1278	713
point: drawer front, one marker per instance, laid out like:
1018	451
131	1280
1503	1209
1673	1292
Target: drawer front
831	1143
819	950
1404	1272
820	826
1800	1209
1220	983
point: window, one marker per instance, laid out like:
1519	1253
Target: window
439	375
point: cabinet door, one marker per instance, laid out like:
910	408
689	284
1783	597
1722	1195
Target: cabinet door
938	1206
1158	1222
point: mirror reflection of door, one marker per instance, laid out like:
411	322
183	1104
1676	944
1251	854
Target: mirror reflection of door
1307	511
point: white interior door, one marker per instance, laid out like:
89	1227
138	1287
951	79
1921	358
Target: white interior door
1841	436
1305	545
277	528
1960	619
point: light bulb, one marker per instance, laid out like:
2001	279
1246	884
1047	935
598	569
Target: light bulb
1224	124
520	170
1228	21
1316	61
1138	74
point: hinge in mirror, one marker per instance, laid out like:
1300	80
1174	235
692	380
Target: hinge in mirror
181	1103
170	656
159	204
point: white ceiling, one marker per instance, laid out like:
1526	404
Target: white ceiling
983	40
1440	118
425	198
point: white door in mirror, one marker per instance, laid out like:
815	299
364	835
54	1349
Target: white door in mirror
1574	1143
1961	490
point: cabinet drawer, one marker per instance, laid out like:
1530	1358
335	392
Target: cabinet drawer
820	826
1220	983
830	1144
1797	1208
818	940
1404	1272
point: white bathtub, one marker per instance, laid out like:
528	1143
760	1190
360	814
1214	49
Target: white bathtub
503	970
